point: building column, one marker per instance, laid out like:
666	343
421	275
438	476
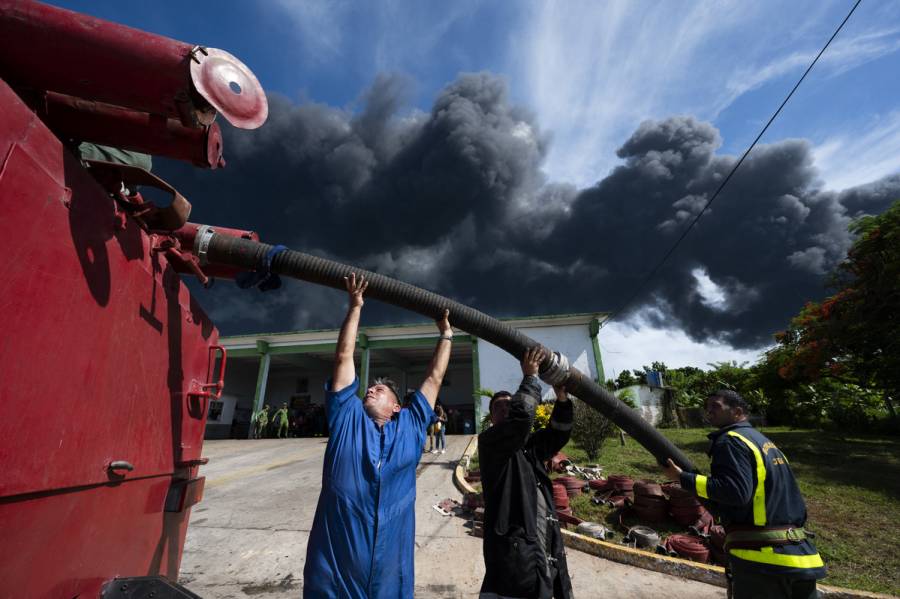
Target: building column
476	384
262	378
363	343
594	330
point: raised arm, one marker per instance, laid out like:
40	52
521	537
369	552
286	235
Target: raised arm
344	369
549	440
510	433
438	368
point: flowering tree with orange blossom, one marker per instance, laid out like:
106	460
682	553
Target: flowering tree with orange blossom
852	336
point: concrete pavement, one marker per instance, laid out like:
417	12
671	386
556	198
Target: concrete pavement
247	538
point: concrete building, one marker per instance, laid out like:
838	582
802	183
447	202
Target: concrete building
292	367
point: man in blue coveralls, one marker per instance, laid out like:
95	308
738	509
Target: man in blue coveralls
752	489
362	538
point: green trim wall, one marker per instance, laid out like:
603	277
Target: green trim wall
363	343
246	352
476	383
265	351
262	378
594	330
413	342
313	348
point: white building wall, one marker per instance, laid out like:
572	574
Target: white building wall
499	370
648	402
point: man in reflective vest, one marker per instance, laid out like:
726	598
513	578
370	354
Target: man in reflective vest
753	491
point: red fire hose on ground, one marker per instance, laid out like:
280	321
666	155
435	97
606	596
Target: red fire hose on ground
687	546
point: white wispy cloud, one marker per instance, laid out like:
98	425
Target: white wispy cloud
410	34
594	71
843	55
320	27
711	295
631	345
853	158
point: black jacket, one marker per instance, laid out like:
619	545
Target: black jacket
512	474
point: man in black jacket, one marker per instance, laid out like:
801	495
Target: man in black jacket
524	556
751	487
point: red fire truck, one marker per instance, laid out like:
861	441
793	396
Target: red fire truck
107	362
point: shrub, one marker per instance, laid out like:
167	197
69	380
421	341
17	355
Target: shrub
590	429
542	416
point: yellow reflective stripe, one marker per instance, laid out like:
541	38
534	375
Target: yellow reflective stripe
767	555
759	494
700	483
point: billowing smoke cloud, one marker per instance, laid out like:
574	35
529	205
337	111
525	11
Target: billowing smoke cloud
455	200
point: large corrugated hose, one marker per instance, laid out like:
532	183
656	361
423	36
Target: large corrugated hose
247	254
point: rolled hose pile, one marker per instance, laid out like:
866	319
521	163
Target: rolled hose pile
561	497
248	255
689	547
573	485
622	485
684	505
649	502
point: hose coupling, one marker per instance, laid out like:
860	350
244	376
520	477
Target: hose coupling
201	244
558	372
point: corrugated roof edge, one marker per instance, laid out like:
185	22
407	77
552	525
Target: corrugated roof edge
601	316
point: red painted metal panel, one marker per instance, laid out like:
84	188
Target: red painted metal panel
101	350
68	544
84	120
48	48
45	47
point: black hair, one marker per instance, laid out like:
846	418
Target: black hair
390	384
497	396
732	399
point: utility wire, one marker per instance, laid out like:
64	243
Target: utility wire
724	182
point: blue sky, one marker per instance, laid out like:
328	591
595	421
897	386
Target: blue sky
590	72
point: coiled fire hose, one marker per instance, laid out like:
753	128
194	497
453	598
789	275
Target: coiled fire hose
247	254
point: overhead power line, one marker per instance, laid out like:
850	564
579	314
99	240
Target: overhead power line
725	181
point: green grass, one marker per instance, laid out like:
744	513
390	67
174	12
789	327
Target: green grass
851	484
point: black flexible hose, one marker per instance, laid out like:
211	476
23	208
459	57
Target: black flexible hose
248	254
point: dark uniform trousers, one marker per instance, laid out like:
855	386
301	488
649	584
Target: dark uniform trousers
752	584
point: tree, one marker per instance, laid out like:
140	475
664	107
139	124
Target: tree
590	429
853	336
627	378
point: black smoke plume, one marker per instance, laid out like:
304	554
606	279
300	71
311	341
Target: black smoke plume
455	200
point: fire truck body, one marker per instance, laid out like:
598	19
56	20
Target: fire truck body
108	364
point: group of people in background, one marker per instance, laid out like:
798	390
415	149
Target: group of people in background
437	432
308	421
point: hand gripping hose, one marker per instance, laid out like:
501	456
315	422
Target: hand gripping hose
247	254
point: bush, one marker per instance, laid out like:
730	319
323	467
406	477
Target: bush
542	416
590	429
